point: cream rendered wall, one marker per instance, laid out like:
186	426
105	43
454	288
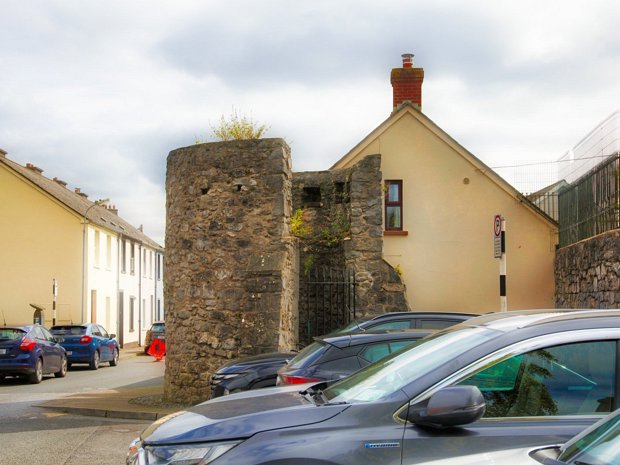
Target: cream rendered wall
448	208
40	240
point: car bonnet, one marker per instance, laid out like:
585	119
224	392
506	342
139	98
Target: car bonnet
239	416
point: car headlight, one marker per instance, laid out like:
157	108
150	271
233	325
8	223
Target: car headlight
190	454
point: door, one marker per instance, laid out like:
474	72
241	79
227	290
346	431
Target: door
542	396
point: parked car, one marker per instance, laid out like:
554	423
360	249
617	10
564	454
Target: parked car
260	371
157	331
332	358
405	320
513	379
31	352
598	444
88	343
253	372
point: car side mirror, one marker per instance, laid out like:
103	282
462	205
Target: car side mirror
450	406
112	336
59	339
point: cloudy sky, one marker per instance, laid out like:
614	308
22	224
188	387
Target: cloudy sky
99	92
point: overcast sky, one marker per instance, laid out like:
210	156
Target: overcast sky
98	93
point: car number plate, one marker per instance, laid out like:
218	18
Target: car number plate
69	352
2	351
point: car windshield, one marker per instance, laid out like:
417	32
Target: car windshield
598	445
159	327
11	333
68	330
308	355
390	374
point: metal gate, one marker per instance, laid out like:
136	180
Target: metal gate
326	302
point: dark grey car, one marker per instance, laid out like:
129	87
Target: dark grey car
497	381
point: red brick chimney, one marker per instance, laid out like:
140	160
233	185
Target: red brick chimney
407	83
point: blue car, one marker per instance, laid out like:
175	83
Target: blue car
30	352
88	343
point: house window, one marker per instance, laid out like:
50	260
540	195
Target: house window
97	251
132	259
394	205
123	256
108	257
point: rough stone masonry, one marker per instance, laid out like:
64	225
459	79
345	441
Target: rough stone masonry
231	278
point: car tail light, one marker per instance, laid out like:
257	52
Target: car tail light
27	344
86	339
298	379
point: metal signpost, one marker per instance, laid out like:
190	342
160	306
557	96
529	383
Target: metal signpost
499	251
55	294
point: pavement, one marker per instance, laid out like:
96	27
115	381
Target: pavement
141	401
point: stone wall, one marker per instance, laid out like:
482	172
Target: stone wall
231	264
353	196
587	274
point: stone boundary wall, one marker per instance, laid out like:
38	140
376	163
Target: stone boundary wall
587	274
231	264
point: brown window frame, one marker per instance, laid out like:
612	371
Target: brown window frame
399	204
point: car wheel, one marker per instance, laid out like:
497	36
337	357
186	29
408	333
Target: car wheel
114	360
94	362
37	376
63	369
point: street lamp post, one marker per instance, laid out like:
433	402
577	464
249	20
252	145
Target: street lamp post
95	203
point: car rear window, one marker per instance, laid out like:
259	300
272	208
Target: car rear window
308	355
11	333
158	327
68	330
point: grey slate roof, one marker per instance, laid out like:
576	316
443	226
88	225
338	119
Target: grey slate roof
98	215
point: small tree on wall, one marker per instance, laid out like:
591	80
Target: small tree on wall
237	127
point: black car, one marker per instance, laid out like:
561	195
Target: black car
261	370
31	351
336	357
253	372
513	379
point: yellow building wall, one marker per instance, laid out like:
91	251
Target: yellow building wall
40	240
448	209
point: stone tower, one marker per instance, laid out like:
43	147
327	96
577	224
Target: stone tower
231	280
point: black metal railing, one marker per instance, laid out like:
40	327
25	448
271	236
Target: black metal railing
547	202
327	302
591	205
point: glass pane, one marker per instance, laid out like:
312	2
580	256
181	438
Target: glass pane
375	352
393	217
393	192
391	325
572	379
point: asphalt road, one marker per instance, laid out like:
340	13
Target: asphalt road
29	434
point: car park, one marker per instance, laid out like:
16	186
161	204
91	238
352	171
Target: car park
498	381
260	370
31	352
336	357
88	343
157	331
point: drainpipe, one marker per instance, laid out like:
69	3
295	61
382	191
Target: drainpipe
119	243
140	309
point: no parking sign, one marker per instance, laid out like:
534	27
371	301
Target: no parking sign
497	236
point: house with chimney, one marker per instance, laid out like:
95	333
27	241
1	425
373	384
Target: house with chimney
67	259
439	209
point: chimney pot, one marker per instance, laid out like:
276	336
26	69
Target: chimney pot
60	181
34	168
407	60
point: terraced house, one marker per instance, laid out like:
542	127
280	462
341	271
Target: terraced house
68	259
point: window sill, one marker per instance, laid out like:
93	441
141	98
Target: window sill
395	233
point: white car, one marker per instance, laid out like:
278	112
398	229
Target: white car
597	445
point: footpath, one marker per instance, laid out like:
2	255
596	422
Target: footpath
138	402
